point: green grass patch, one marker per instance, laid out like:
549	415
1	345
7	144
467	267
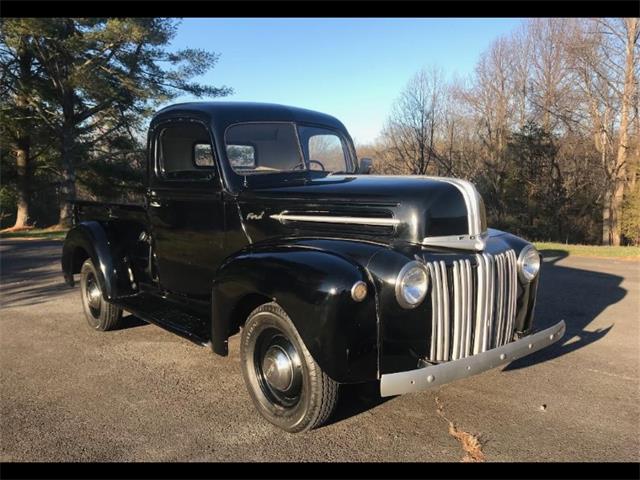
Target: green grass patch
36	234
549	249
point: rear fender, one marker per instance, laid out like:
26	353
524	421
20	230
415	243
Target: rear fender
92	240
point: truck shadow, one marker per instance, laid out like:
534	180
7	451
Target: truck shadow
130	321
30	272
356	399
576	296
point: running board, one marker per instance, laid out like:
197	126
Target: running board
166	315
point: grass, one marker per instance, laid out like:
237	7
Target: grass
549	249
51	233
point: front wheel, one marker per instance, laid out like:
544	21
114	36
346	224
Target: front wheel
285	383
101	315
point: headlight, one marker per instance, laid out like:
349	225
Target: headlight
412	284
528	263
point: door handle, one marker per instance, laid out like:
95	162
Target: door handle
152	199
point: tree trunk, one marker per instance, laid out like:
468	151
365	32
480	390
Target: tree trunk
606	214
619	173
22	143
68	184
23	217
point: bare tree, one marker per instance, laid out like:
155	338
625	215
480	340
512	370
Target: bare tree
605	54
490	100
411	128
551	81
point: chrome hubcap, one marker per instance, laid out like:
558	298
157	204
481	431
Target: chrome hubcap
93	295
278	368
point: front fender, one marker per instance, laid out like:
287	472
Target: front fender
314	287
91	240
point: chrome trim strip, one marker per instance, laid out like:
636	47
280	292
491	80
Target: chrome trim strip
468	310
500	269
387	222
476	238
436	375
514	293
471	199
491	279
457	310
462	242
480	303
435	312
438	310
446	326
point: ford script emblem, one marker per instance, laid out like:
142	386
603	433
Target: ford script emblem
254	216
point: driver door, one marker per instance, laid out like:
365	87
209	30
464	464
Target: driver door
185	208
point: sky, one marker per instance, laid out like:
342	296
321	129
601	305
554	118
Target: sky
351	68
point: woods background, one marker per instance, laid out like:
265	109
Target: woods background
547	127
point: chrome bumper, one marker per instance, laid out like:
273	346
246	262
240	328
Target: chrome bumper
436	375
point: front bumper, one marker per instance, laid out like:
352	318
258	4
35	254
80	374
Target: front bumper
436	375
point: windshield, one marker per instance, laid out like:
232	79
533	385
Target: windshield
261	148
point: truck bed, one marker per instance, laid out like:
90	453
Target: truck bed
108	212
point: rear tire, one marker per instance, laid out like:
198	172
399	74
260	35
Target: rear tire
101	315
286	385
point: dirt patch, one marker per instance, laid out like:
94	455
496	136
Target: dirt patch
471	444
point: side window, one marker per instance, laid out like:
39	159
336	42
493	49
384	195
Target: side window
326	150
184	152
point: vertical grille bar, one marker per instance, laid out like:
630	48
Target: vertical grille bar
481	300
486	344
458	306
445	308
468	308
500	297
435	307
439	345
473	311
512	295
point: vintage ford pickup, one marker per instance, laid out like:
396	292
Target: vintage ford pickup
259	219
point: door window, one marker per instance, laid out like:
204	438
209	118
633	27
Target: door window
184	152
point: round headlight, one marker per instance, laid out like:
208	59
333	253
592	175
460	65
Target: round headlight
412	284
528	263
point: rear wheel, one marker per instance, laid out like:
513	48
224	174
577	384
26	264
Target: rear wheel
287	386
101	315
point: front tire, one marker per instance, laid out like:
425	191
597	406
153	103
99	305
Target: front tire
101	315
285	383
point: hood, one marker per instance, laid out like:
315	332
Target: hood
433	211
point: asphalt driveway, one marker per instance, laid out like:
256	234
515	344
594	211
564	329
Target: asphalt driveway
140	393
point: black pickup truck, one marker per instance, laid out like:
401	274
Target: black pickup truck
259	219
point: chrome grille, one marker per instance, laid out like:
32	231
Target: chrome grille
474	307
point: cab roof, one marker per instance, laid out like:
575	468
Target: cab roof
223	114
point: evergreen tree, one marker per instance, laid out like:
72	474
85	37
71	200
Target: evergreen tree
99	78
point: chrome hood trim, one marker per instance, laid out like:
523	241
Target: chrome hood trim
282	217
476	239
463	242
472	200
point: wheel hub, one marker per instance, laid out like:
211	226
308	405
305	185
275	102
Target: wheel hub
278	368
94	295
